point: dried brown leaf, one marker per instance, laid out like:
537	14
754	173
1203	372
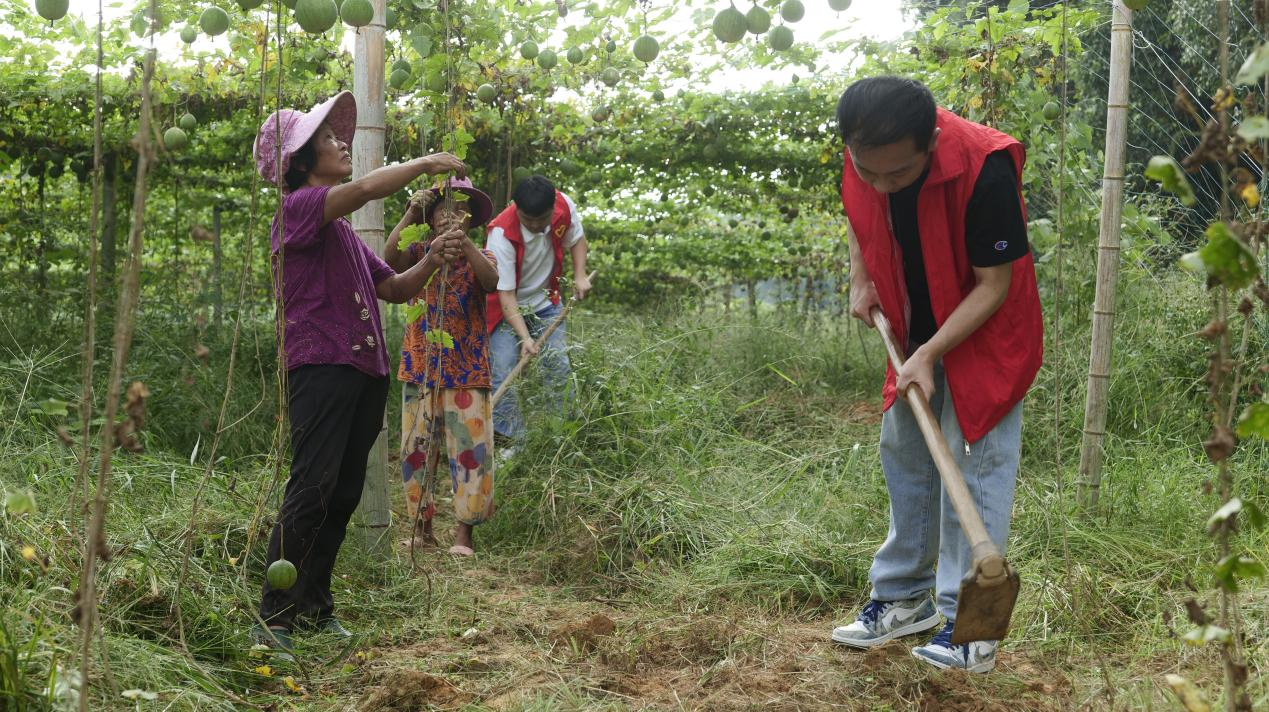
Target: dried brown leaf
1220	445
1194	611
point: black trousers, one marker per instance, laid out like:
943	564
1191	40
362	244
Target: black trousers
336	414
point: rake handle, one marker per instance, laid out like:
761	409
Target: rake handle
987	558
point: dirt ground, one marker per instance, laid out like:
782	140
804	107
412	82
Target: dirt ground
525	650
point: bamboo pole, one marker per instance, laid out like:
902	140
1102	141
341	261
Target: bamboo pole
375	513
1091	449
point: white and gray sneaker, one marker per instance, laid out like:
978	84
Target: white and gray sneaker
979	656
882	621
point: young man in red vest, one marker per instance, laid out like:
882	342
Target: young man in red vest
529	239
938	241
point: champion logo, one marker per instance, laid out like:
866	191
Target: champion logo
1001	245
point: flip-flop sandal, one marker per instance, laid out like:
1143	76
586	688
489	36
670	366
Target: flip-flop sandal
460	550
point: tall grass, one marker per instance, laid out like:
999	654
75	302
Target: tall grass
713	460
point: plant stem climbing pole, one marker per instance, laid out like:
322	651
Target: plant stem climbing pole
367	155
1091	448
1224	390
243	282
89	354
430	419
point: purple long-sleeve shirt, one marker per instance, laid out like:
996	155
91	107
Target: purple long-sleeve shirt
328	276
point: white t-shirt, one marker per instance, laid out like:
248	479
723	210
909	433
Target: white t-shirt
539	258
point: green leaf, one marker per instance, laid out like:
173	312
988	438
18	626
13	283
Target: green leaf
414	312
1227	258
1188	694
422	44
781	374
1191	262
1190	697
1235	567
1255	66
23	502
1206	634
462	140
436	336
1254	515
1254	128
1254	421
1167	171
53	407
412	234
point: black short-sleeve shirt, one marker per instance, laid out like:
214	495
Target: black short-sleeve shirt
995	233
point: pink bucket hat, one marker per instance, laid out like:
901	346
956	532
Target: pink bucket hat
340	111
478	202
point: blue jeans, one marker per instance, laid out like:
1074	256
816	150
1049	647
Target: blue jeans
553	360
924	529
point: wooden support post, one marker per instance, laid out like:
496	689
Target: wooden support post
1091	448
375	513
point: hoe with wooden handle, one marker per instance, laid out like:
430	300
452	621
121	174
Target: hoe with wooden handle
990	588
540	342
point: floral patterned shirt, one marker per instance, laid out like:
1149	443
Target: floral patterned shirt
459	327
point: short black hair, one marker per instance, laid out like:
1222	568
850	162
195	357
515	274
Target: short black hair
302	161
879	111
534	195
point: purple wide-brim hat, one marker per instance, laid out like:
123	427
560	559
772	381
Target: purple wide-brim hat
478	202
297	127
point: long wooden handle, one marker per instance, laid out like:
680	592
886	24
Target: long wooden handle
525	359
981	547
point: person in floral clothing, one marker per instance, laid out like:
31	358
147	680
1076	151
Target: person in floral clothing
445	362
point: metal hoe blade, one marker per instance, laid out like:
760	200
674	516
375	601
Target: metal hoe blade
988	594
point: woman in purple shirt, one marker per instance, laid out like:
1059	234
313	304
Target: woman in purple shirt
328	283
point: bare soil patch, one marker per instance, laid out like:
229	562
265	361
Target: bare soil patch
408	690
529	643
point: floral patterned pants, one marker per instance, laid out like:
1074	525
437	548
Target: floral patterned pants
461	431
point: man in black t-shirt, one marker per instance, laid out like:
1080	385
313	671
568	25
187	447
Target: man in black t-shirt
995	234
938	242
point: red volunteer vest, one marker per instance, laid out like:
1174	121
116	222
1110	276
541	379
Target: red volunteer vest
990	371
510	224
